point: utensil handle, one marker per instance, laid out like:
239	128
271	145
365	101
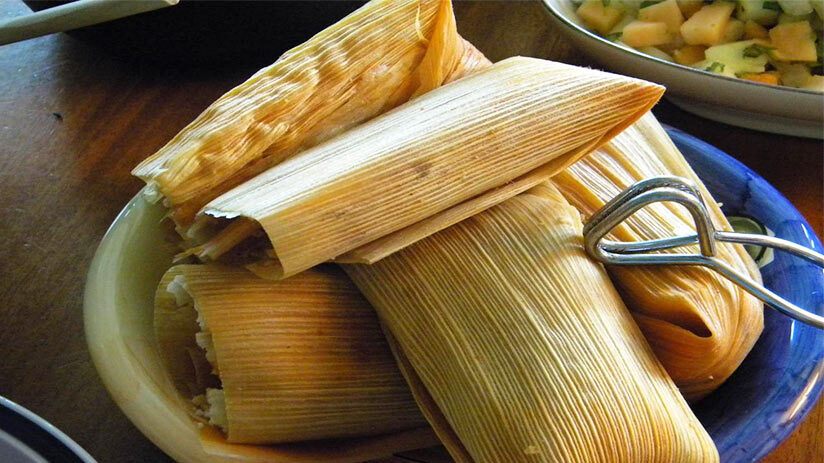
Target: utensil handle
682	191
72	16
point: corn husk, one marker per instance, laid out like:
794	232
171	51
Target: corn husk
298	359
369	62
520	349
448	146
700	325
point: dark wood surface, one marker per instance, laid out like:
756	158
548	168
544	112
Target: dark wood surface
74	121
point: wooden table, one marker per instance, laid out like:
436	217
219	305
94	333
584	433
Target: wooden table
73	122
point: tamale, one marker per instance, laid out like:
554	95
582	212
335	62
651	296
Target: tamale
519	348
298	359
369	62
448	146
700	325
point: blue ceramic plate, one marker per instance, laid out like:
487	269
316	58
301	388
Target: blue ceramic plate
781	379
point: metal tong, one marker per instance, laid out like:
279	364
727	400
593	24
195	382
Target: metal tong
686	193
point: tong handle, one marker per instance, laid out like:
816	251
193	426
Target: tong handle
774	300
772	242
686	193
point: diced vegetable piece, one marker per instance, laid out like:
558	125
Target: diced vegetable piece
794	42
689	54
656	52
771	78
814	83
598	16
666	12
760	11
796	7
753	30
785	18
639	34
793	75
706	27
676	42
689	7
619	28
746	56
734	31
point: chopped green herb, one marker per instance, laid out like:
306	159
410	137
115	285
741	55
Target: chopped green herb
605	2
647	3
716	67
756	50
772	6
614	37
752	52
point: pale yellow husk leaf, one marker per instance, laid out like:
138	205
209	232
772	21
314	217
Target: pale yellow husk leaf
700	325
522	346
445	147
299	359
367	63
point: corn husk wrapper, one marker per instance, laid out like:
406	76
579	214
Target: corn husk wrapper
298	359
518	347
451	145
369	62
700	325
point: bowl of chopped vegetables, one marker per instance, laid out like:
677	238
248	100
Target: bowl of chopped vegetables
750	63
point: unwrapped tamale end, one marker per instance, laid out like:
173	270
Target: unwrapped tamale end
298	359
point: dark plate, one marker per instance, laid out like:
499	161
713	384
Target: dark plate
27	438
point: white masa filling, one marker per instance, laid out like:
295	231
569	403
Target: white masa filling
212	404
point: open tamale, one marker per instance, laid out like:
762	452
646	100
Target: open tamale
518	348
700	325
369	62
279	361
447	147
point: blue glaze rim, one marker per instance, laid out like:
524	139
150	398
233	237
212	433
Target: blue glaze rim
782	378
